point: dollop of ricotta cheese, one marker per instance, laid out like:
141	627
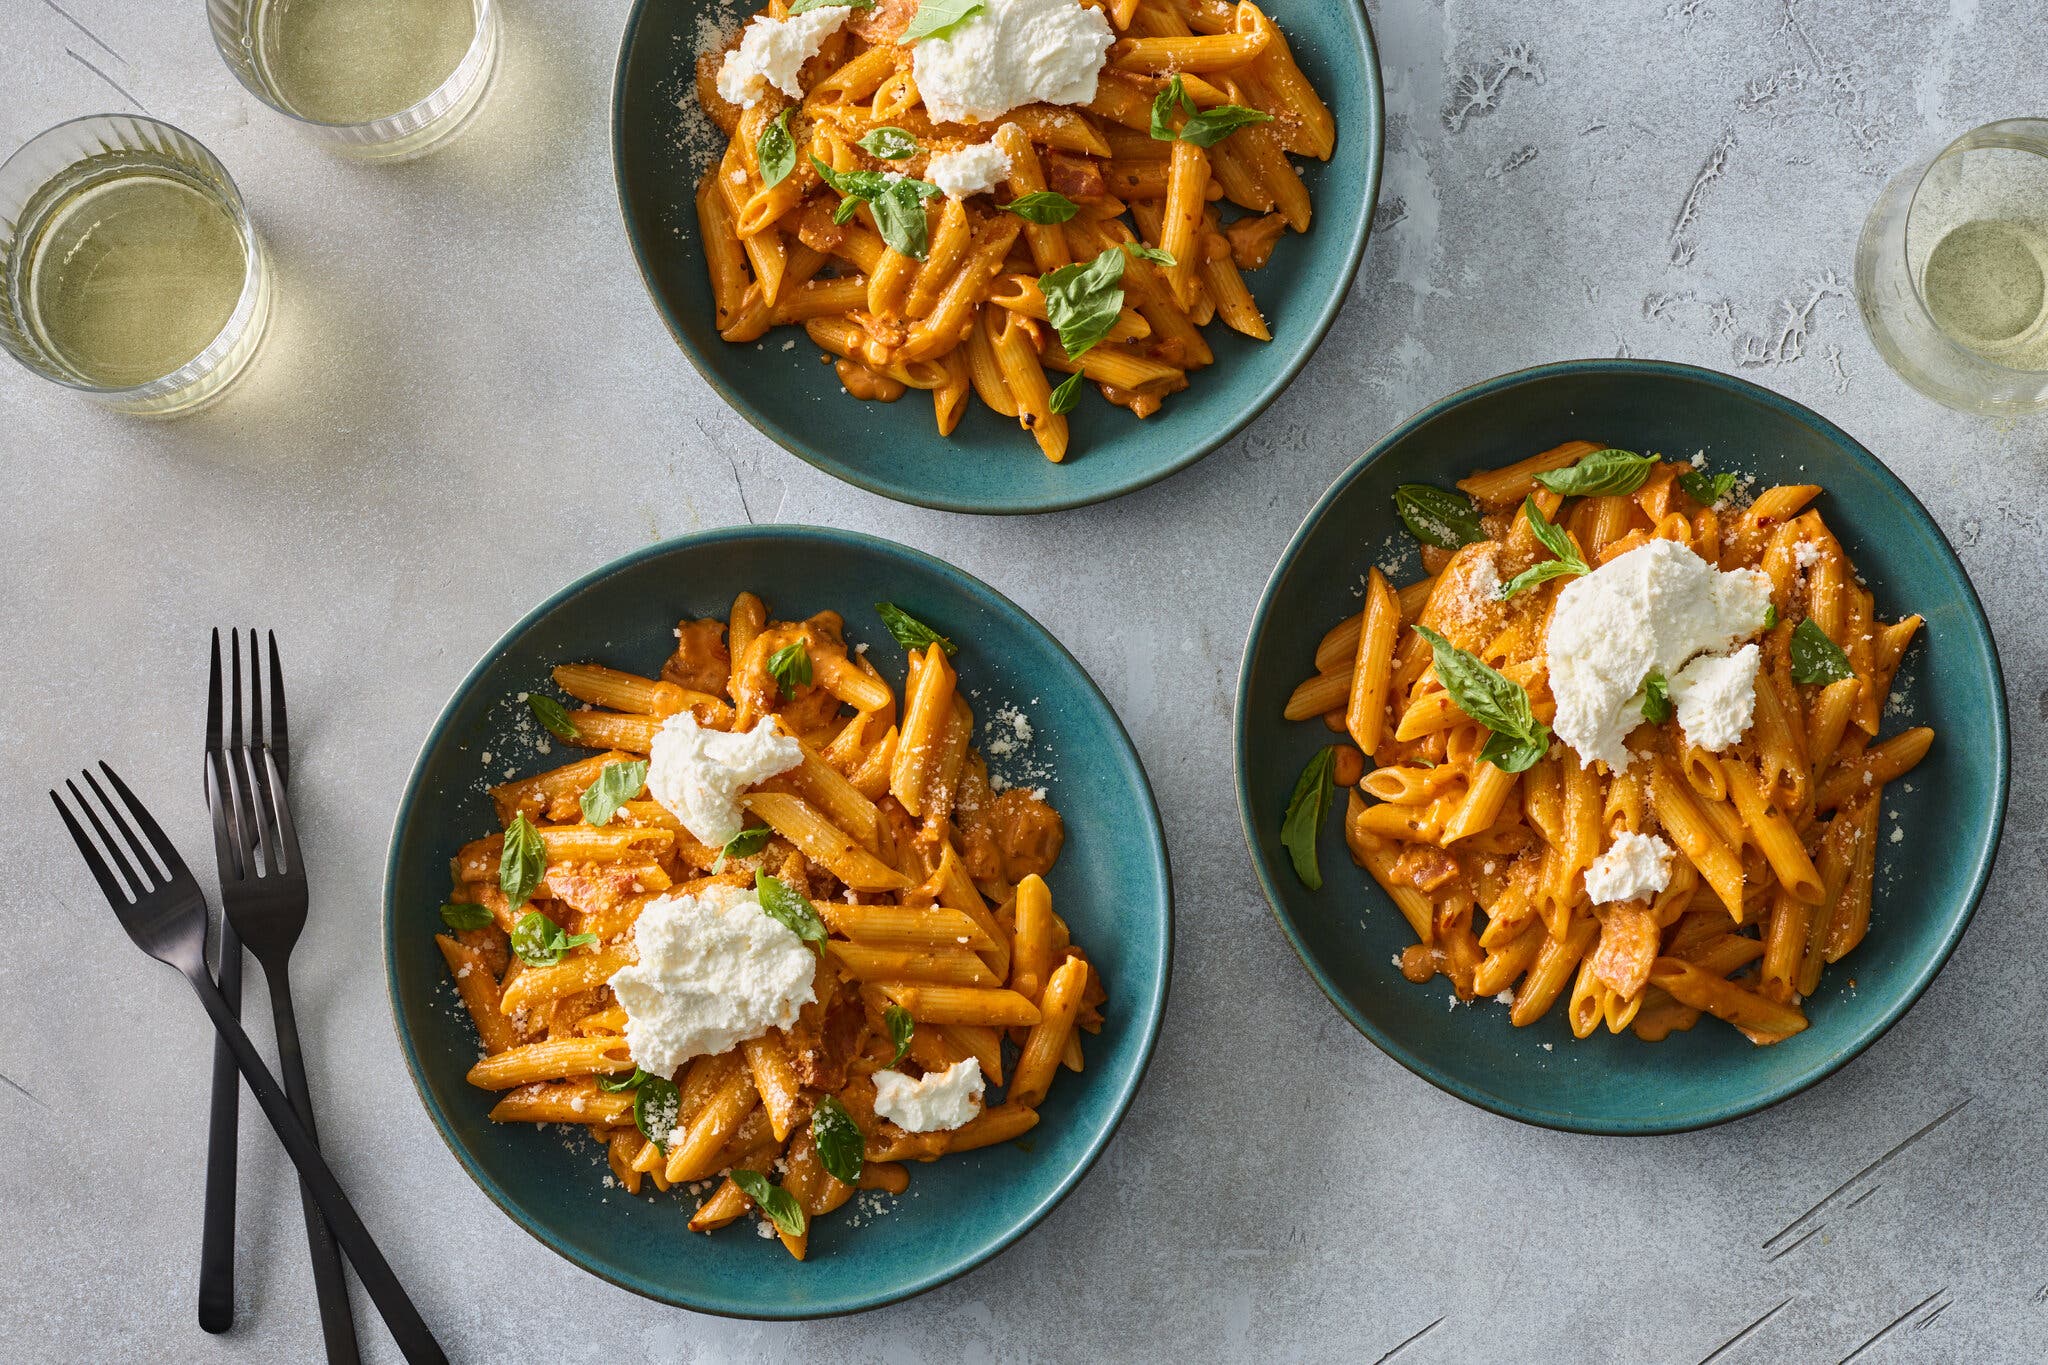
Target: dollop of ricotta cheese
1635	867
1656	607
928	1104
1009	53
968	170
698	773
1716	698
773	51
712	969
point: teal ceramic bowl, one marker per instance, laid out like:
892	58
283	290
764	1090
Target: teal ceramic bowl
1112	885
988	465
1928	886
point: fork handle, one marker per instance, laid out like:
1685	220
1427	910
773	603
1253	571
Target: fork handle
217	1229
330	1286
415	1341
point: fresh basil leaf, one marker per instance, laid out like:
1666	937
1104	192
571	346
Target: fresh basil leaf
779	1204
1043	206
806	6
523	862
1816	658
900	216
617	783
466	916
900	1025
745	844
1707	489
775	150
1603	472
540	942
1314	790
656	1103
1067	396
1146	252
1082	301
789	907
1771	616
838	1140
1173	96
552	715
791	668
1212	125
889	143
612	1085
1494	701
911	633
1443	517
1541	572
1656	698
1553	538
938	18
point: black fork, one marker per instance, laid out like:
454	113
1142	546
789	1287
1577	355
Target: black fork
263	900
163	910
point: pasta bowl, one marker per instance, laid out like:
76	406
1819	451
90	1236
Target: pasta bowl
661	144
1948	813
1113	888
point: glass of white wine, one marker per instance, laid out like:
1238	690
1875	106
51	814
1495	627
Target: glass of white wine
1952	271
382	80
129	269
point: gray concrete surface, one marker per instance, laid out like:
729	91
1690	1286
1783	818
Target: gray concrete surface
1680	179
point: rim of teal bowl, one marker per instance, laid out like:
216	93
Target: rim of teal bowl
1149	1025
1309	342
1429	1070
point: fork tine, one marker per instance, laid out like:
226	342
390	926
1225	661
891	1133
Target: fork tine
255	734
166	851
109	883
250	766
107	840
288	833
213	696
279	742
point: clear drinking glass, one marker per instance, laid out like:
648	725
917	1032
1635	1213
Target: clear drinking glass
1952	271
383	80
129	269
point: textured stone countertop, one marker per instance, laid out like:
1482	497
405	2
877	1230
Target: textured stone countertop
1672	178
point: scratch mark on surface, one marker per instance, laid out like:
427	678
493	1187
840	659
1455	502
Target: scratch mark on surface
1722	1349
1939	1309
1872	1169
1793	1245
1789	343
1477	90
24	1092
1520	159
1683	247
72	20
1833	355
1404	1345
1863	1196
87	64
741	484
1891	1326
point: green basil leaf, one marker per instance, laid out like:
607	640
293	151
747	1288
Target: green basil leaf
1067	396
1211	126
617	783
900	216
791	668
779	1204
745	844
466	916
523	862
552	715
1146	252
889	143
1603	472
1553	538
806	6
1771	616
540	942
911	633
1706	489
1082	301
612	1085
1314	790
775	150
789	907
938	18
1656	698
1443	517
900	1025
1173	96
656	1102
1043	206
1816	658
1541	572
840	1144
1494	701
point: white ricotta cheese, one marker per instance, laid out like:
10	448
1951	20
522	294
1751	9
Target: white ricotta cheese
939	1100
713	970
1716	698
1655	607
1635	867
773	51
969	170
1012	52
698	774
